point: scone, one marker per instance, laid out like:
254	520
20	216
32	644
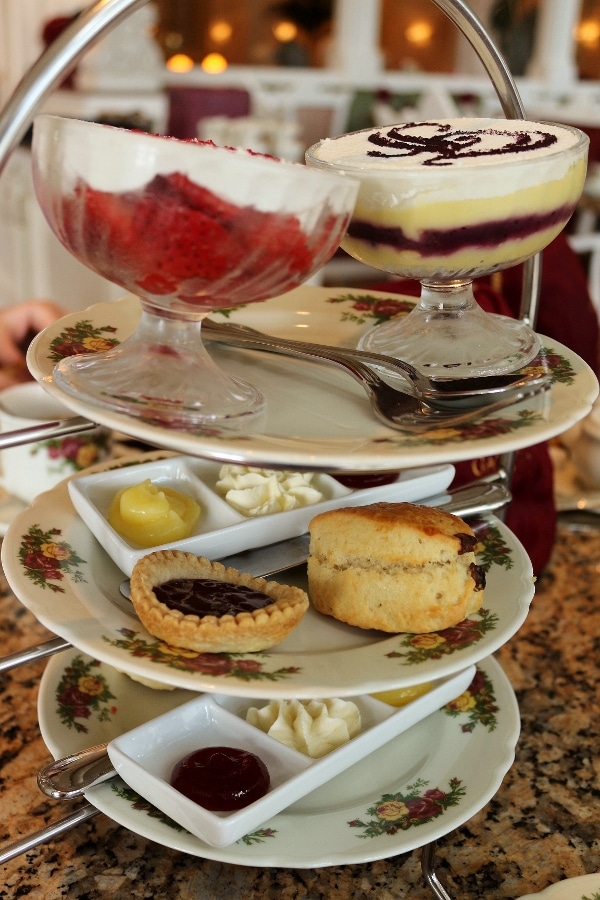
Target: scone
394	567
167	584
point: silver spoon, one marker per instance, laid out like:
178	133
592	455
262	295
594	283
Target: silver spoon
474	390
393	407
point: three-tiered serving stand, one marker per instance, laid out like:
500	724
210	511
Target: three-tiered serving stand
15	119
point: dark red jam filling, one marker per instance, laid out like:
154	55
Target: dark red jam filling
468	542
366	479
478	575
450	143
436	242
205	597
221	778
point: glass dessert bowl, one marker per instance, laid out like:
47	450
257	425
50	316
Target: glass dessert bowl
189	228
448	201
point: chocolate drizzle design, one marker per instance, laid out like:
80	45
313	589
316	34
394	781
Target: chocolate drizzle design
449	144
206	597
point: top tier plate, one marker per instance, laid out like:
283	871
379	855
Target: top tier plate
318	417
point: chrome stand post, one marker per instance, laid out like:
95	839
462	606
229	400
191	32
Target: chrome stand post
428	869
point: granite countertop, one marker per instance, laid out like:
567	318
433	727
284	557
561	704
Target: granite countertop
541	827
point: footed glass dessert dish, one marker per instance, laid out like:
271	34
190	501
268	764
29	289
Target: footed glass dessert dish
189	228
448	201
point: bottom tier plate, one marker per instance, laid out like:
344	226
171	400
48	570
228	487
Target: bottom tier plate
415	789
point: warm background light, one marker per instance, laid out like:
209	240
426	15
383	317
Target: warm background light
414	34
180	63
588	33
285	32
214	63
419	33
220	32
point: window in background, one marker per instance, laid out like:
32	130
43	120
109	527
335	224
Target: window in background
514	23
417	36
588	40
245	32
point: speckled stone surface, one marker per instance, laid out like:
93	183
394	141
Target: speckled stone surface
543	825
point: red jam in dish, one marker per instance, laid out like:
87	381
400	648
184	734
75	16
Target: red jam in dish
221	779
206	597
366	479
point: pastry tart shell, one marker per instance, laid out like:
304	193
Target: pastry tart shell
244	632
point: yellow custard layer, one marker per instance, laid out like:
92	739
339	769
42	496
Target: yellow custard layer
457	197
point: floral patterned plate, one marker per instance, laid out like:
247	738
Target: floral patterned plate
61	573
417	788
585	887
318	417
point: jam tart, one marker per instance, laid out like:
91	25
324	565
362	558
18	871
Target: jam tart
230	632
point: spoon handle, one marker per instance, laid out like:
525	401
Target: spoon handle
32	654
68	778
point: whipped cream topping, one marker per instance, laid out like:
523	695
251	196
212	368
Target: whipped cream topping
313	727
447	142
260	492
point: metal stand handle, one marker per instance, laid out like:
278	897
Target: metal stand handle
16	848
428	869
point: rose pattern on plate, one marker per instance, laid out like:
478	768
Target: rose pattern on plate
229	665
369	310
491	547
419	648
139	803
46	559
416	805
478	703
83	337
83	692
73	452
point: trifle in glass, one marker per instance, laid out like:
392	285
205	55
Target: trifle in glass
448	201
189	228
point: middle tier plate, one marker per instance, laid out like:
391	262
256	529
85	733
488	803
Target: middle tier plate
318	417
60	572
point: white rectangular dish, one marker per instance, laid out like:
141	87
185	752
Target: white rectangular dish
145	756
221	530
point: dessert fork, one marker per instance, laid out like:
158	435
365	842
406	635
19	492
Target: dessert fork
393	407
476	390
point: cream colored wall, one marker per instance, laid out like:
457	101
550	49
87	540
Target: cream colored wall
21	23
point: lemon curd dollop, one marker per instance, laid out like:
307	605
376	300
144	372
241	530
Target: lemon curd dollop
403	696
149	516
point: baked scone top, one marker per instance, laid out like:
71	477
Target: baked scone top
391	532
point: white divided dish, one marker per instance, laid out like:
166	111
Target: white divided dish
221	530
145	756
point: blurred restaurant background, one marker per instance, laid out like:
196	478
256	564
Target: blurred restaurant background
277	76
